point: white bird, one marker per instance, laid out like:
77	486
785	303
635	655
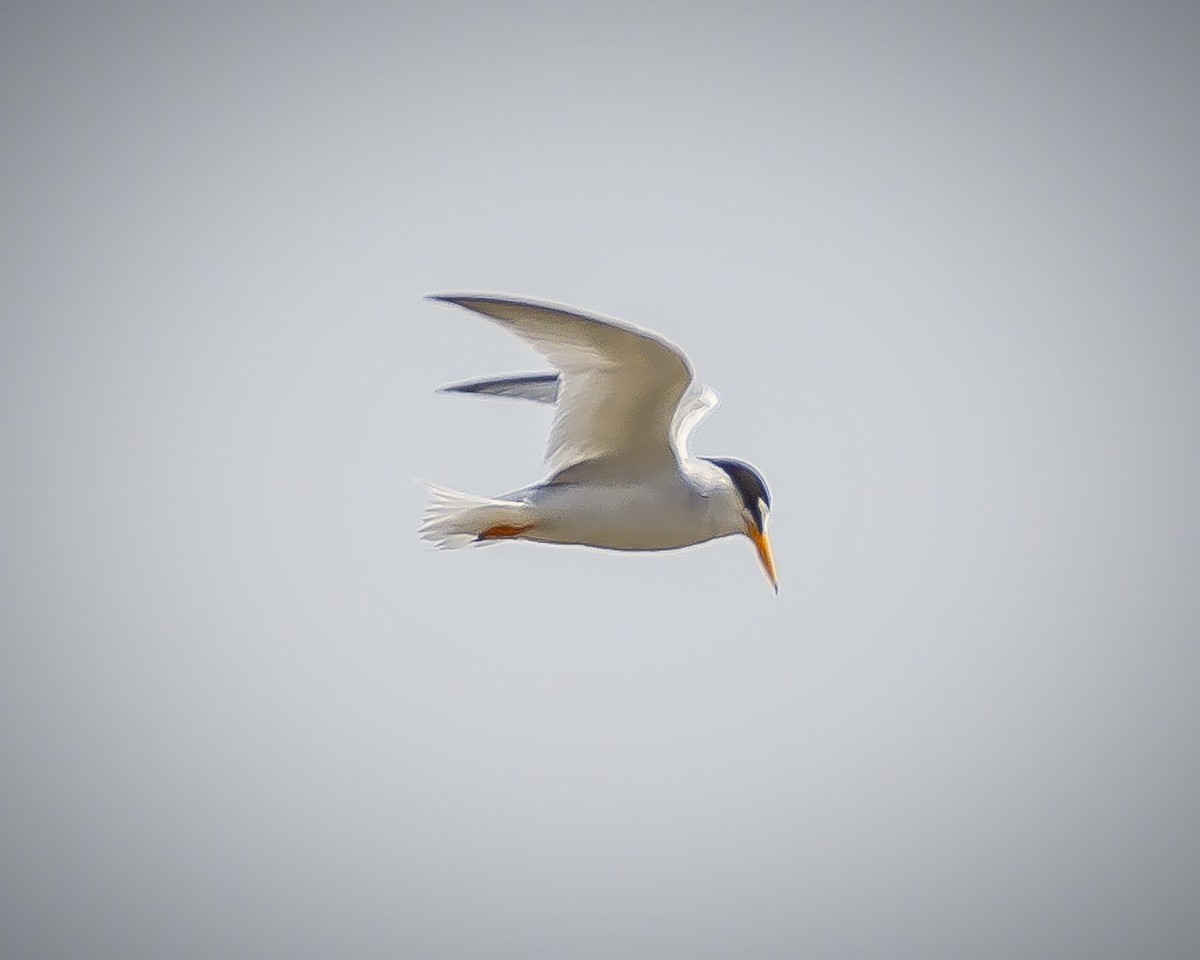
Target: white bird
620	473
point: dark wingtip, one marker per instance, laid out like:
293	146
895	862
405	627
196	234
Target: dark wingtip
456	298
471	387
460	299
517	386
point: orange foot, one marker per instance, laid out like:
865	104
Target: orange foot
503	531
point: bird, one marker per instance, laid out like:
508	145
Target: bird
620	473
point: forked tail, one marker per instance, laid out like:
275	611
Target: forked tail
454	519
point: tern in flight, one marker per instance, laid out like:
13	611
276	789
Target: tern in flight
620	473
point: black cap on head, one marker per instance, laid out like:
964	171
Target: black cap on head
749	484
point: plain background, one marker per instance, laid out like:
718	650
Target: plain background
941	261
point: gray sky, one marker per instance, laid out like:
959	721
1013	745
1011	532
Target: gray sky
939	259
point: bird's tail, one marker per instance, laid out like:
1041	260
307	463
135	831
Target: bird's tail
453	519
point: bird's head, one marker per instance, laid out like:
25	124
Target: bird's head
755	507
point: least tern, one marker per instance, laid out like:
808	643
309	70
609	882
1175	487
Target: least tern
620	473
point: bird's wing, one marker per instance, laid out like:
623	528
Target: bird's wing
538	387
619	387
697	404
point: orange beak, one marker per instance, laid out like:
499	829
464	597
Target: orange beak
763	545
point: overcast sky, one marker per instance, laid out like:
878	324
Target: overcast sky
942	261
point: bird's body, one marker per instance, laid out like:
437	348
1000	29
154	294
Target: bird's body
660	511
621	476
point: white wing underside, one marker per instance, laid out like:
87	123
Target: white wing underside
697	404
626	399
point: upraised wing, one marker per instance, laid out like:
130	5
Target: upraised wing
697	404
538	387
619	387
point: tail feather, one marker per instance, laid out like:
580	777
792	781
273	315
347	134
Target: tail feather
454	519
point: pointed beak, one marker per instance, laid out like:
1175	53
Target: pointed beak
763	545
